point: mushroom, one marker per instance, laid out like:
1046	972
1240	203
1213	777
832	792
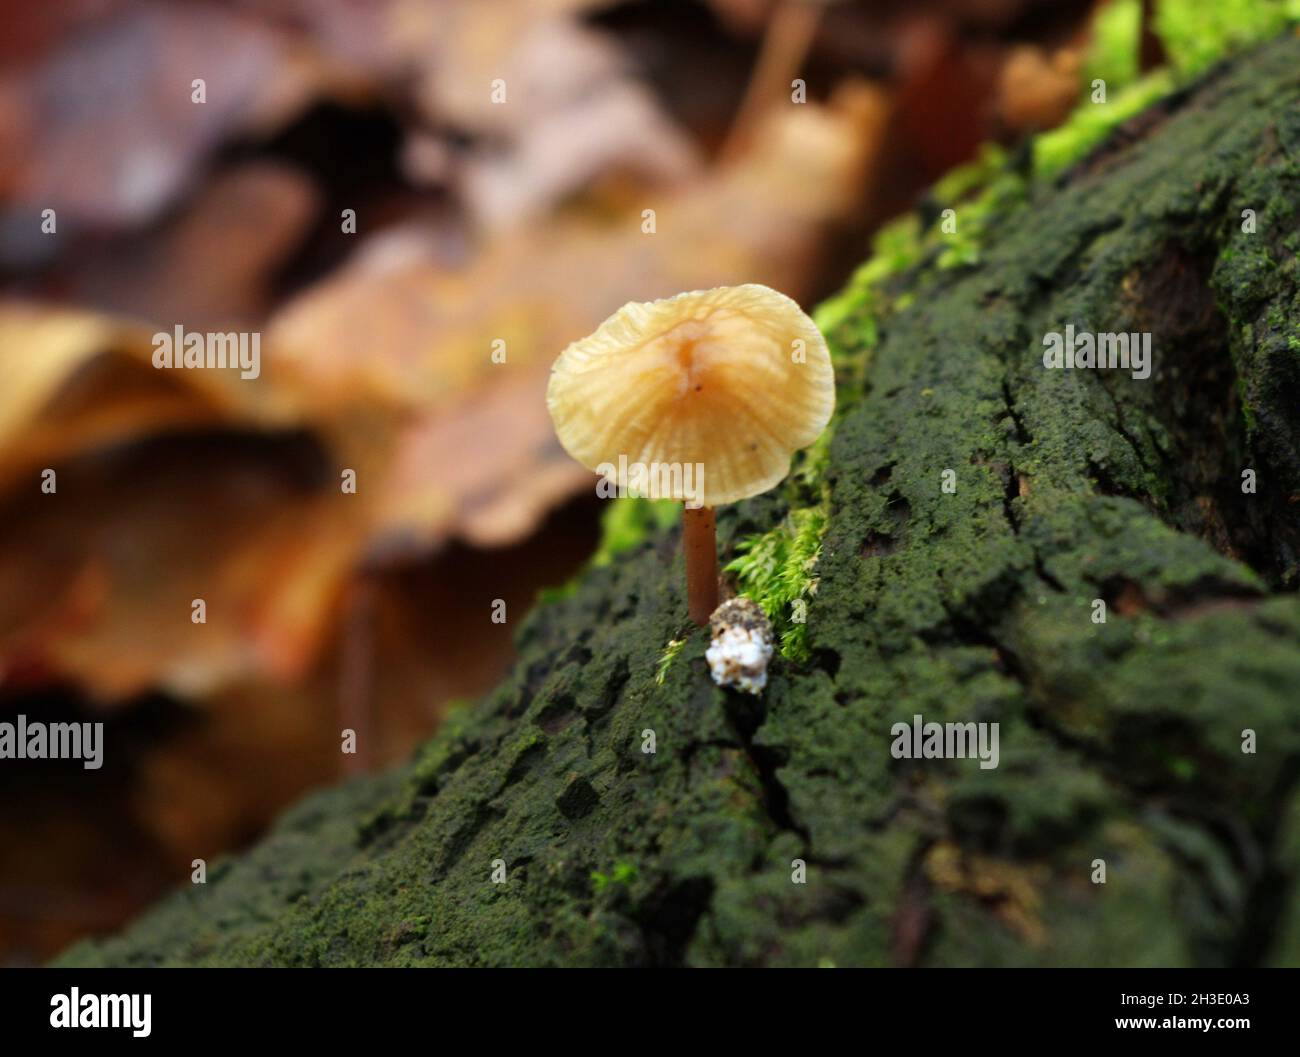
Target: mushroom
703	398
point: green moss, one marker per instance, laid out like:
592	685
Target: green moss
984	190
665	661
1113	51
1092	122
622	873
895	249
1197	34
627	523
966	181
1003	191
778	571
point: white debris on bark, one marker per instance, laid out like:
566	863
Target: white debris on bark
741	646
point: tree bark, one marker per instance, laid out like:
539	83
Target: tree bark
1121	744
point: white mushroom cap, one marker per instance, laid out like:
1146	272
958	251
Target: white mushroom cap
734	379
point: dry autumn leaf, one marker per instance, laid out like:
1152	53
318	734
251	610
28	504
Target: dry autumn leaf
168	486
108	149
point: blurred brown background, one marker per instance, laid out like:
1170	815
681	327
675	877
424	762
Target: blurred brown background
512	227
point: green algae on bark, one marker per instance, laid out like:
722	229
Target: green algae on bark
1120	741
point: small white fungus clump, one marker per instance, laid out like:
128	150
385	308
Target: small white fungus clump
741	646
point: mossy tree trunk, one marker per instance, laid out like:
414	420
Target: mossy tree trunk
1119	741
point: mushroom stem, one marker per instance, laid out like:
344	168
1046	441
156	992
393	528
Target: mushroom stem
700	545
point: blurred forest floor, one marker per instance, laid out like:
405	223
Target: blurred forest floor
413	256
